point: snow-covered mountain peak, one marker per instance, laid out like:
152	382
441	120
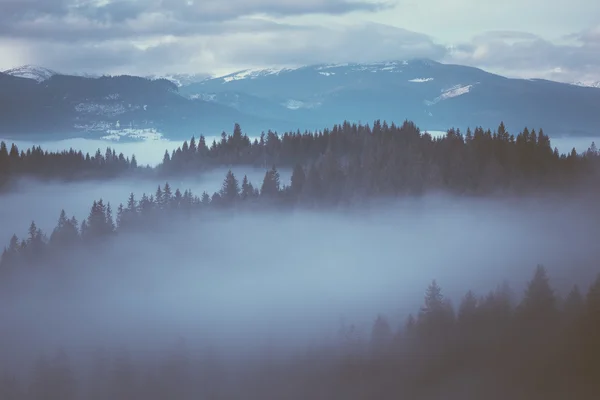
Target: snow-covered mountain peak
329	69
37	73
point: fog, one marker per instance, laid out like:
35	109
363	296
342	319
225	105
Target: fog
237	282
147	152
42	202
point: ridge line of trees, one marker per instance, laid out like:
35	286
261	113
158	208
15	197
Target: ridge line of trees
470	160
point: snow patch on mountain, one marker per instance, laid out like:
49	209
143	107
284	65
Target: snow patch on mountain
38	74
294	104
94	126
253	74
145	134
454	91
329	66
388	66
297	104
420	80
324	69
108	110
181	79
204	96
593	84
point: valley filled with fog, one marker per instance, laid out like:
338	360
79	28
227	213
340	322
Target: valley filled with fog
319	200
316	268
238	282
42	202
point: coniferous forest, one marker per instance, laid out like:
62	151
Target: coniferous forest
538	341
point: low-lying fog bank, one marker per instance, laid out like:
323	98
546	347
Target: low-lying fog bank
42	202
237	283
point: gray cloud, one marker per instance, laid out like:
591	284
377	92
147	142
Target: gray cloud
214	36
241	44
70	19
576	57
147	27
314	44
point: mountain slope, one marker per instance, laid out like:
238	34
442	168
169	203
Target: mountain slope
65	105
38	74
434	95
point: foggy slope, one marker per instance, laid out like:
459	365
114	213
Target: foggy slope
235	280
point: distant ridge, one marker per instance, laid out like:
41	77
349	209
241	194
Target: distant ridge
435	96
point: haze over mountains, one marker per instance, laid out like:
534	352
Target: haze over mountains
37	102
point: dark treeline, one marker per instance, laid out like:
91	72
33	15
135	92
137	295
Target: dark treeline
390	163
325	183
152	210
380	159
359	160
497	346
65	165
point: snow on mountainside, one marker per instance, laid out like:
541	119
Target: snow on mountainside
420	80
181	79
587	84
34	72
311	97
449	93
253	73
322	69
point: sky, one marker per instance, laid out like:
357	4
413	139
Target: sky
533	38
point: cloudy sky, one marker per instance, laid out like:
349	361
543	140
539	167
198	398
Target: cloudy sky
557	40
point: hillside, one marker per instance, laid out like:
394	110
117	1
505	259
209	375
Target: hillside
63	106
434	95
40	102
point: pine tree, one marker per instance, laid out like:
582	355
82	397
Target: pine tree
381	336
120	216
230	189
247	189
270	185
167	195
110	224
32	232
131	203
436	315
467	311
298	179
205	198
158	197
539	301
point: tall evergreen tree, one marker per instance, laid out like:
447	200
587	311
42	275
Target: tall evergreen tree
230	189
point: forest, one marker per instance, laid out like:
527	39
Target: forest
366	160
541	343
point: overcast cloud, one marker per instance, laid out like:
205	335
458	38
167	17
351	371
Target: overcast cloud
219	36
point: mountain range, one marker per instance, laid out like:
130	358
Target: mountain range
40	102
